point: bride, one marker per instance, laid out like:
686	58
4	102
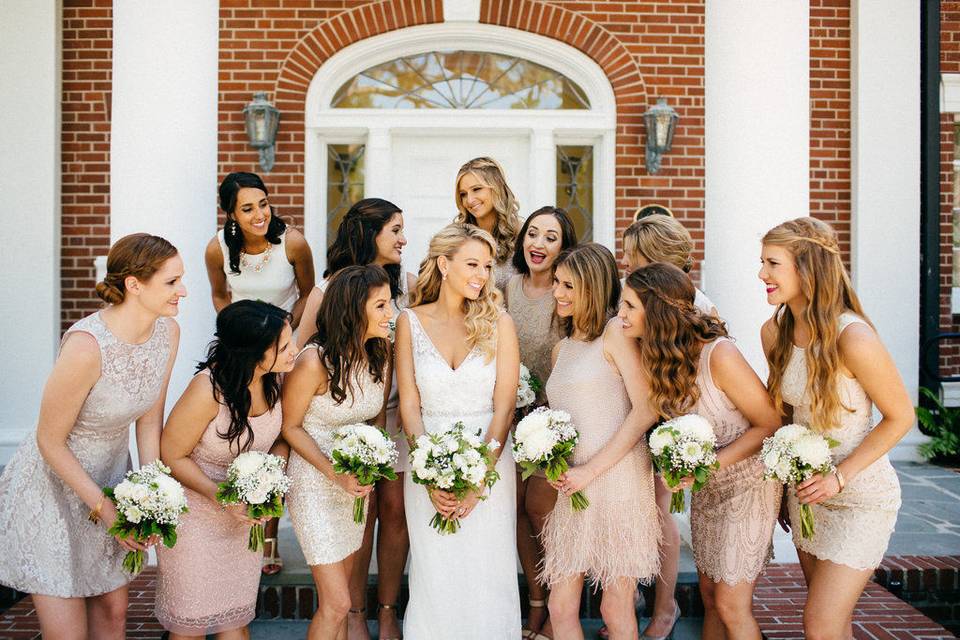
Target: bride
457	359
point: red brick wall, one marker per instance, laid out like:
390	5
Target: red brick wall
949	63
85	138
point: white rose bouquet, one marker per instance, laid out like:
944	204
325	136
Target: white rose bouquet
457	461
682	447
793	454
545	440
528	388
149	502
368	453
256	479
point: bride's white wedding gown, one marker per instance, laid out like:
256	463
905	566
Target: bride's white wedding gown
464	585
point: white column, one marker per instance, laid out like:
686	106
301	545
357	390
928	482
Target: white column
30	182
542	172
163	170
885	179
757	63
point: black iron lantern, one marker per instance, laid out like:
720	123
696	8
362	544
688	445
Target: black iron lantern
262	120
661	121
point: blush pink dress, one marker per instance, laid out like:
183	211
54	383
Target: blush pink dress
208	582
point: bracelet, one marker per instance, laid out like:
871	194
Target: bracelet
840	481
94	515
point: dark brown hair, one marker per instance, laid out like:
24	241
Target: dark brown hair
568	235
139	255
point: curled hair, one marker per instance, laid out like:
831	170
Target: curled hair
246	331
139	255
596	285
489	172
480	315
659	238
825	285
341	326
356	242
675	331
232	235
568	235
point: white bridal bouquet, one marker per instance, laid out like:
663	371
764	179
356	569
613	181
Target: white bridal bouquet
793	454
149	502
456	461
256	479
528	387
681	447
368	453
545	440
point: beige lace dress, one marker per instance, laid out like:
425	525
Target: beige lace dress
852	528
618	535
732	518
536	331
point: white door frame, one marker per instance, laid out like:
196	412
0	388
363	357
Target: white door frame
376	127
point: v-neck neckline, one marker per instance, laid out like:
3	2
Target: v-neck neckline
436	349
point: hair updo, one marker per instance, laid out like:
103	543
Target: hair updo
139	255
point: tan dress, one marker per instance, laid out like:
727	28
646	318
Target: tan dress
732	518
852	528
536	330
618	535
208	582
503	272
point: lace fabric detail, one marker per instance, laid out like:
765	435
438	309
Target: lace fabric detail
210	624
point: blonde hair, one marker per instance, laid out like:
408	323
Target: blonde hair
660	238
489	172
483	313
825	284
596	282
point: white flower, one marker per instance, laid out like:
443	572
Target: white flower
538	444
247	463
789	433
691	452
170	488
660	439
812	450
133	514
535	422
693	425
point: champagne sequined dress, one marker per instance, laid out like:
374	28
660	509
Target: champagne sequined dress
536	330
50	547
852	528
208	582
618	535
320	511
732	518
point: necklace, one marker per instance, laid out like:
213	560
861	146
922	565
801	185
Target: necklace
260	264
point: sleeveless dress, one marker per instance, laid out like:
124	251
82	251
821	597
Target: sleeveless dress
733	517
618	535
320	511
502	273
536	330
462	585
209	581
852	528
51	548
267	276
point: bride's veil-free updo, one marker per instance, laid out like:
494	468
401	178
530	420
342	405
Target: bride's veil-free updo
481	314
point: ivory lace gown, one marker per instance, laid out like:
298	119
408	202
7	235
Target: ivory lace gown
462	585
852	528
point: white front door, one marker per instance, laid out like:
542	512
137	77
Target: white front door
424	169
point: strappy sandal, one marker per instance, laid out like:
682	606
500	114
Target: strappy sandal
388	607
272	560
529	634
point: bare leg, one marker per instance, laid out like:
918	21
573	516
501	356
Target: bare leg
530	553
330	620
234	634
540	500
61	618
107	615
712	626
832	594
564	607
664	603
357	617
618	611
393	543
270	531
734	608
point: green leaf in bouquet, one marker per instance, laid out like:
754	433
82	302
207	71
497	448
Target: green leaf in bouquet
528	469
831	443
169	536
227	493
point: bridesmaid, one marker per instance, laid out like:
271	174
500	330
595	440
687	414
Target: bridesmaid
828	368
372	233
661	238
208	582
529	301
598	379
693	367
113	369
341	377
484	199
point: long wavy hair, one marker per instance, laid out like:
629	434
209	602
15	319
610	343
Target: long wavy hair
489	172
232	235
356	239
596	283
660	238
825	284
568	235
481	315
247	331
675	331
341	326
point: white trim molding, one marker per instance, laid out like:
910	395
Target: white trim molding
950	93
461	10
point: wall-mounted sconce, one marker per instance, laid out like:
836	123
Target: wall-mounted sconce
661	121
262	120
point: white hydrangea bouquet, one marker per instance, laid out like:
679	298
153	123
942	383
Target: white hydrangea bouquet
528	388
793	454
683	447
149	502
545	439
457	461
256	479
368	453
